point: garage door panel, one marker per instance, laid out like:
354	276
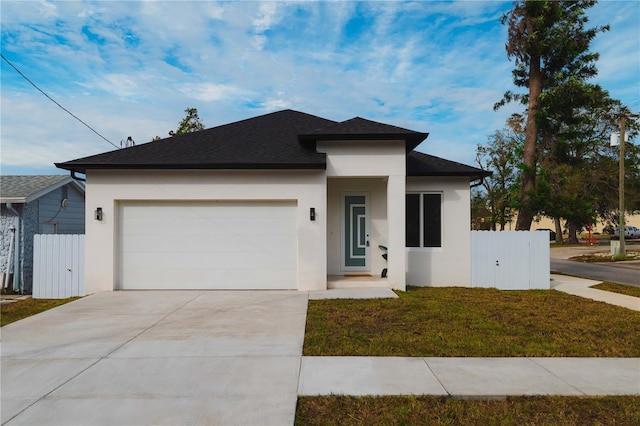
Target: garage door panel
172	244
190	260
204	280
214	227
200	209
217	245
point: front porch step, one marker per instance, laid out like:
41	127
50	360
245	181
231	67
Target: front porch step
340	281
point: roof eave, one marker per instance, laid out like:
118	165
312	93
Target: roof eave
17	200
82	168
475	175
412	139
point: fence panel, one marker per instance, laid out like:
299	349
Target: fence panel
510	260
58	266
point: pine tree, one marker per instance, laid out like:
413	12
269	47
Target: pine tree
550	45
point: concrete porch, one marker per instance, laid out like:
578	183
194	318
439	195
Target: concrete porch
356	281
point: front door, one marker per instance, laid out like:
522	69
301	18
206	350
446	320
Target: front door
355	232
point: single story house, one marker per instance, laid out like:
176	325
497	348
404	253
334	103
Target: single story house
285	200
39	204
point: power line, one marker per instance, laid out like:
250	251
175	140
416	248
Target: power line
55	102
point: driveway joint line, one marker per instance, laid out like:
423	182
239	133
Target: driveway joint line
436	376
555	375
306	311
100	358
153	325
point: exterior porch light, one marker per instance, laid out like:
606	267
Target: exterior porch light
97	215
312	214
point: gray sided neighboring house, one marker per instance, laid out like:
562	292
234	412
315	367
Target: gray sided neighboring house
38	204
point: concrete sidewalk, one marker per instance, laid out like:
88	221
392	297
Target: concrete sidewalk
582	287
472	378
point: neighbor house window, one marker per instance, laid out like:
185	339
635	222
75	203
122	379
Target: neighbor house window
424	220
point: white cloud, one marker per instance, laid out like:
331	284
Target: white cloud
266	16
209	92
120	85
133	67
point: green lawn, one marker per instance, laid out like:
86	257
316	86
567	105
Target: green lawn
606	257
11	312
618	288
472	322
428	410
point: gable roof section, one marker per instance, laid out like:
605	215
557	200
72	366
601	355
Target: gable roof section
362	129
265	142
419	164
24	189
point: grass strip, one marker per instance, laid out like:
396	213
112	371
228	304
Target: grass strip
471	322
606	257
430	410
618	288
15	311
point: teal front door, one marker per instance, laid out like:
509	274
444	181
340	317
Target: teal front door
355	235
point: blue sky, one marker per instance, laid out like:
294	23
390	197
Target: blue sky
131	68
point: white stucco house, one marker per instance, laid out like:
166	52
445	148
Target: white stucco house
285	200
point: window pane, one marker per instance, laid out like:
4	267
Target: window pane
432	220
412	220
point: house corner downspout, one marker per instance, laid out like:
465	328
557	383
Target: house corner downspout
478	183
12	231
14	251
74	177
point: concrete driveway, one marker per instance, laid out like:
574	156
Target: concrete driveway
173	357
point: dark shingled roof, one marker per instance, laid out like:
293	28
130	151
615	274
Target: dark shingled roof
280	140
356	128
419	164
265	142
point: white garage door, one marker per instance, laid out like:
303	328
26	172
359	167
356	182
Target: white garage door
207	245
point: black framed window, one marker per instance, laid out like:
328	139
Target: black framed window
423	220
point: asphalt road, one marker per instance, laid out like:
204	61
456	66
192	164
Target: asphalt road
621	274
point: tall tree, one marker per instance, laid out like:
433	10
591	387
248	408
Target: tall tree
550	46
190	123
575	179
501	155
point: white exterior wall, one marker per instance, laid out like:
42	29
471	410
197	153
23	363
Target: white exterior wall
449	265
379	162
106	188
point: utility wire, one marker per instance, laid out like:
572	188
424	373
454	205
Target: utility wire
55	102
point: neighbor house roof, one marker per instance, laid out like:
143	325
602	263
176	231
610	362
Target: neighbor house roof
280	140
26	188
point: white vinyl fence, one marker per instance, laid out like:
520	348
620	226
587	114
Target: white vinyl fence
510	260
58	266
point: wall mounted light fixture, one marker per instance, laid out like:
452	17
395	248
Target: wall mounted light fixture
97	215
312	213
